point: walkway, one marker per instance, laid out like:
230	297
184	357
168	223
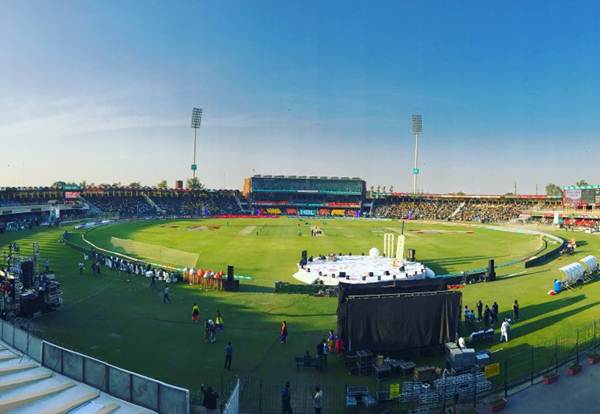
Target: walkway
576	394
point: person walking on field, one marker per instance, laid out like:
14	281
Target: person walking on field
153	280
504	328
166	295
219	320
228	355
516	310
318	400
284	332
479	310
195	313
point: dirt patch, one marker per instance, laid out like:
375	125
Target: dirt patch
246	230
169	226
204	228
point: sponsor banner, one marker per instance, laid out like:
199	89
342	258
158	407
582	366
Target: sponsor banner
307	212
572	197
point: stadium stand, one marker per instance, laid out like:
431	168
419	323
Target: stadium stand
480	209
23	208
125	206
196	203
305	196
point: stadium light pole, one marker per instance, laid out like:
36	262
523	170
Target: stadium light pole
417	129
196	121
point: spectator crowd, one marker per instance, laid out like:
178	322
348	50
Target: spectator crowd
476	210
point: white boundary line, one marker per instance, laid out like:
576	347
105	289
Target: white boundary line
125	256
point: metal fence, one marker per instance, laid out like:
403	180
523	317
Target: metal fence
125	385
21	340
232	406
520	366
128	386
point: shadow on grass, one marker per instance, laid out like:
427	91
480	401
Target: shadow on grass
439	266
520	274
521	328
255	288
527	312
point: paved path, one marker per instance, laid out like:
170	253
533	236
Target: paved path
578	394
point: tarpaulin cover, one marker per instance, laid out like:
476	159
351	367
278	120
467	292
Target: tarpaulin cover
590	262
392	323
395	286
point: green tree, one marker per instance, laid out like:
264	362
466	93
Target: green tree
58	185
581	183
162	185
135	184
194	184
553	190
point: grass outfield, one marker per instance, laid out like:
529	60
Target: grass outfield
125	323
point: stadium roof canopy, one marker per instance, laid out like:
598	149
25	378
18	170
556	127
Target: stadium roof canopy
580	187
303	177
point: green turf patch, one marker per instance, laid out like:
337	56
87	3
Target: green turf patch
125	322
161	254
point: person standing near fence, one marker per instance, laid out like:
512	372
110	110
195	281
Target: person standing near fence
318	400
286	399
228	355
209	400
495	312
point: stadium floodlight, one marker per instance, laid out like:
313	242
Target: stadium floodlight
196	121
417	129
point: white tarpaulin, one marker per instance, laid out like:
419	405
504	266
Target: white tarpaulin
590	262
360	270
573	272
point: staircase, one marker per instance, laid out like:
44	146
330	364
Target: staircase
153	204
458	209
239	203
28	388
92	208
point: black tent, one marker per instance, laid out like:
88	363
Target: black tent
392	322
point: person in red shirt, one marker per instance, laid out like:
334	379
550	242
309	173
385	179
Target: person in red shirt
284	332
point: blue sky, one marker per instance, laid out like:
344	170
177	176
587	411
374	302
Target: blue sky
102	91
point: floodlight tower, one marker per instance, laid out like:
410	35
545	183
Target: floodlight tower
196	121
417	129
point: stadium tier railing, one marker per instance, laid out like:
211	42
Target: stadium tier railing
120	383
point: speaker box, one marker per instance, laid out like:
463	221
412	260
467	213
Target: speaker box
230	271
27	274
231	285
370	274
342	274
491	272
